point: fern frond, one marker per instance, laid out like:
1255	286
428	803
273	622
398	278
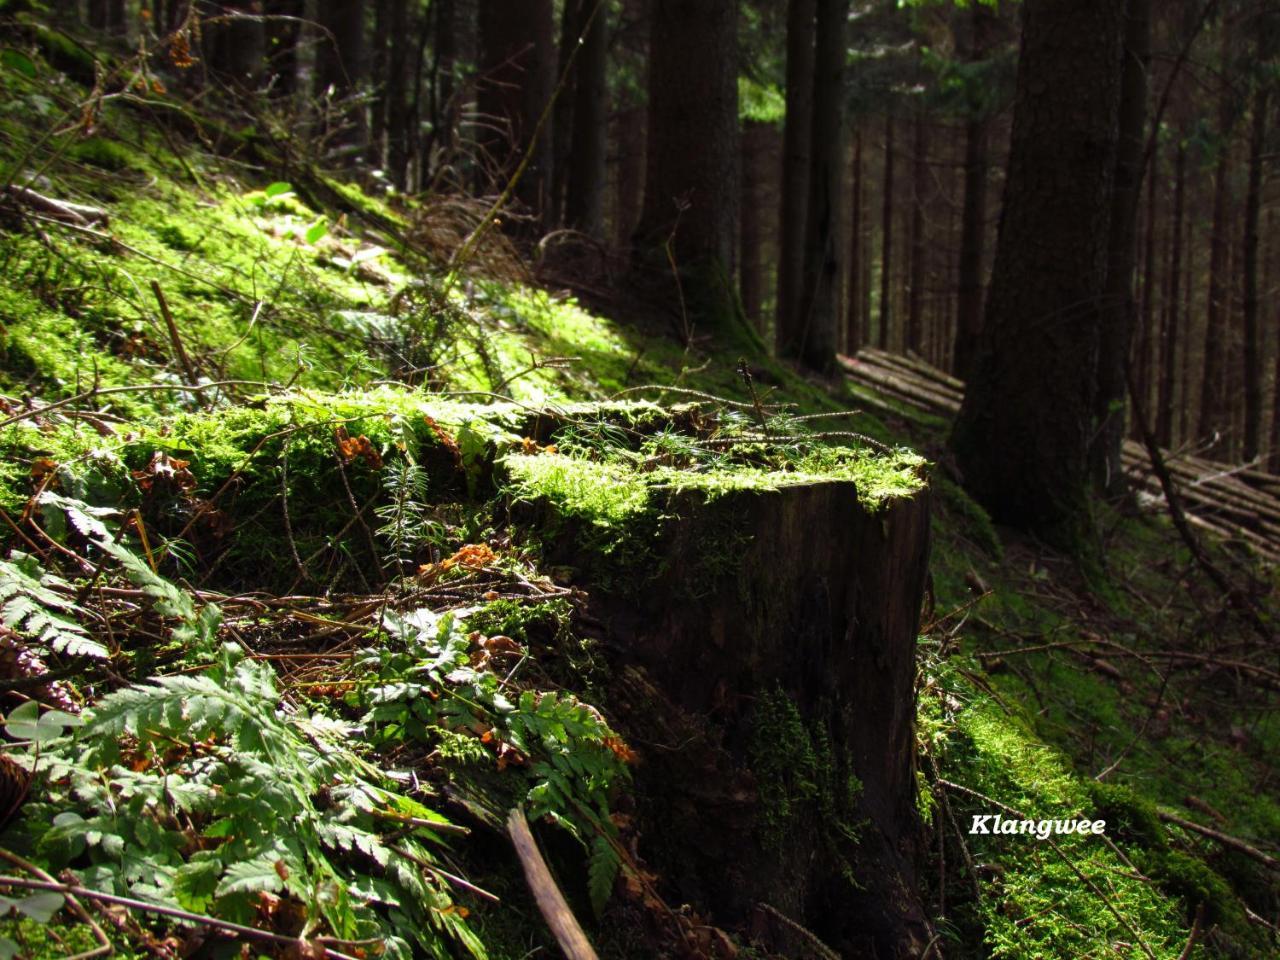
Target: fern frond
31	607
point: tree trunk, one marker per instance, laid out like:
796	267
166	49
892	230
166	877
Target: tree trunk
750	283
973	218
282	36
797	142
886	236
916	263
1169	337
340	65
691	195
819	302
584	208
1213	394
828	641
1253	204
1183	394
516	82
1022	436
854	319
1144	373
570	29
1116	335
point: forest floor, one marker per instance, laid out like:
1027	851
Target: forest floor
265	475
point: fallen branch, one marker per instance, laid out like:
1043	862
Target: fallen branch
253	933
551	903
1233	843
61	210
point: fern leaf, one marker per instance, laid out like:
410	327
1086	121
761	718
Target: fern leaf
602	871
251	876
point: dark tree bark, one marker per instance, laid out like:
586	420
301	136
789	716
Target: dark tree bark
1144	372
562	147
973	217
1213	392
797	141
755	139
886	236
107	16
340	61
691	188
1183	388
819	302
1116	335
1022	435
584	205
916	261
396	107
855	318
516	83
1264	40
281	41
1168	374
234	42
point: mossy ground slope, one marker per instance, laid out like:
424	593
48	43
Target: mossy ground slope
356	421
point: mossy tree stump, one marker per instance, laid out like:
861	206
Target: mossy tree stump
765	665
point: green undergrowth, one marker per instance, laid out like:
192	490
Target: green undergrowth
372	426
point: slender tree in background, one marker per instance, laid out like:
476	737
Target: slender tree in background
584	205
1264	42
340	60
691	192
283	29
1022	436
1169	339
515	85
1120	307
819	325
886	236
914	339
855	330
755	138
973	217
1213	387
797	141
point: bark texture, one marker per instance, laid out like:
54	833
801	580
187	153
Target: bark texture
691	187
751	608
1023	433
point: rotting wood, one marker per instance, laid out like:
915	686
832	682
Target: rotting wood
551	903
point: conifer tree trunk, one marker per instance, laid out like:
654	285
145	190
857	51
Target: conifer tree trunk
974	213
886	236
1213	396
854	331
691	187
754	141
1184	388
281	42
562	145
584	208
516	82
819	302
1145	359
1253	202
1023	432
797	141
916	270
340	60
1120	318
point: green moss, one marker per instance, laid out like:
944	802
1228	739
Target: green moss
1190	879
785	766
105	153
